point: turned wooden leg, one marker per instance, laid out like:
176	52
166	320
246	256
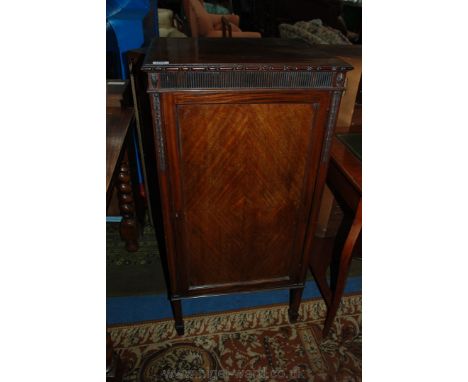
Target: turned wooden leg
343	268
295	296
179	321
129	224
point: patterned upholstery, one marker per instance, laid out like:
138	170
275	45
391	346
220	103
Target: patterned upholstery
313	32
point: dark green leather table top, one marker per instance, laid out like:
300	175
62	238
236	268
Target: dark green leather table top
353	141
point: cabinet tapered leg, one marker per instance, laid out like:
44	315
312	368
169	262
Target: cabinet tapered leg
295	296
179	321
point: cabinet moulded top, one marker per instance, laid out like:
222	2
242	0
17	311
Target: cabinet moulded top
233	54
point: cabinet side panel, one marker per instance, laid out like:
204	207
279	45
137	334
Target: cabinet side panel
243	170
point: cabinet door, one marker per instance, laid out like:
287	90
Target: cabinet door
242	170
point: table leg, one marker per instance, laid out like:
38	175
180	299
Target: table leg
319	262
343	268
128	226
340	240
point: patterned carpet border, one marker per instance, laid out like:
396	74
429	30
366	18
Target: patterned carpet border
261	317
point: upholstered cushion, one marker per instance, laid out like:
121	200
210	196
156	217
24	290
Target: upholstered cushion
205	21
204	24
165	17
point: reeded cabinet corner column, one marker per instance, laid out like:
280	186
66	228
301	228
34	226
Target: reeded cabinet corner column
242	132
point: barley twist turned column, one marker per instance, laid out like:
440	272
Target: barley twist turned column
128	225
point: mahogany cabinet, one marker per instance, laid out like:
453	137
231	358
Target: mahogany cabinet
242	131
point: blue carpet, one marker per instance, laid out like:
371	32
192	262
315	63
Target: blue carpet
122	310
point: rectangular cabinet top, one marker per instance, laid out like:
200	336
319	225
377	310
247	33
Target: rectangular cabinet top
238	54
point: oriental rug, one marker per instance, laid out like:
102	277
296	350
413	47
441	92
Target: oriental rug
246	345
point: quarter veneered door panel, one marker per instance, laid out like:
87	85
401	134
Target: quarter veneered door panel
243	174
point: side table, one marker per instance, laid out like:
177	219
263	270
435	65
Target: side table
344	178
